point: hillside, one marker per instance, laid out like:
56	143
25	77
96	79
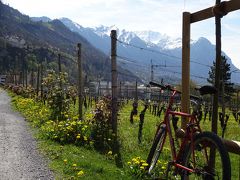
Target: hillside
19	31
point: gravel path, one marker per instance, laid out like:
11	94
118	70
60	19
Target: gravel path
19	157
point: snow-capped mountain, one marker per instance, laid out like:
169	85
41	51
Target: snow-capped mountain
160	49
151	36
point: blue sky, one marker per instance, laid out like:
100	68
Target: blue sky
164	16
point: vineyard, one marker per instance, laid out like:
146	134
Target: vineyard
85	148
89	130
106	116
81	127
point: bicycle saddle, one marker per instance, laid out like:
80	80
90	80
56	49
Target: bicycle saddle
207	90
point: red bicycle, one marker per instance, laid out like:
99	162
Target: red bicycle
191	159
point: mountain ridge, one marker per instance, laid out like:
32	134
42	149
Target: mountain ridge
19	31
162	51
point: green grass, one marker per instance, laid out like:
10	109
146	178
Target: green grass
100	166
93	164
130	147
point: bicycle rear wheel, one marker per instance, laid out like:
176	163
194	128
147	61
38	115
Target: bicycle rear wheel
197	158
156	148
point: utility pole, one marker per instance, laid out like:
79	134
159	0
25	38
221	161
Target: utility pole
152	68
80	89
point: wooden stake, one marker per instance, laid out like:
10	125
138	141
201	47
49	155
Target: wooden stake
41	80
38	76
80	89
114	80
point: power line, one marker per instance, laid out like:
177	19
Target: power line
137	63
128	75
158	52
130	61
175	72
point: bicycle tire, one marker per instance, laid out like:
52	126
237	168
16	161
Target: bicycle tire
156	148
203	141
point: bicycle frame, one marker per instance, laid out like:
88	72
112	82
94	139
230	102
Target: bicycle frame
190	130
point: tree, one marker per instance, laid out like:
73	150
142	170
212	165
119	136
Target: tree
226	87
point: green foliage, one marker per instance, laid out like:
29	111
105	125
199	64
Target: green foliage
137	168
101	126
36	113
225	76
68	131
57	97
27	92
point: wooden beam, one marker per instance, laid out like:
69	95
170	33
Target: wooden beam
232	146
224	7
185	102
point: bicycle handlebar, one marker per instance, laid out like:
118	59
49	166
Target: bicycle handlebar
169	88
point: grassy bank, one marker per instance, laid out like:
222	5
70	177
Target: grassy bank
71	161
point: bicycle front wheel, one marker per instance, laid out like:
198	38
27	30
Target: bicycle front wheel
156	148
197	158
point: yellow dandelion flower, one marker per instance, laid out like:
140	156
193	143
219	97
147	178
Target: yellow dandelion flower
142	167
65	161
80	173
78	137
145	164
74	165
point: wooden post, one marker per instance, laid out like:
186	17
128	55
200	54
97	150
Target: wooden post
59	64
116	146
26	68
23	71
237	99
41	80
185	103
80	89
15	71
151	70
38	76
114	80
216	83
120	90
217	71
32	75
136	92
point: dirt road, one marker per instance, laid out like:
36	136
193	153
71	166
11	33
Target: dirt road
19	157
